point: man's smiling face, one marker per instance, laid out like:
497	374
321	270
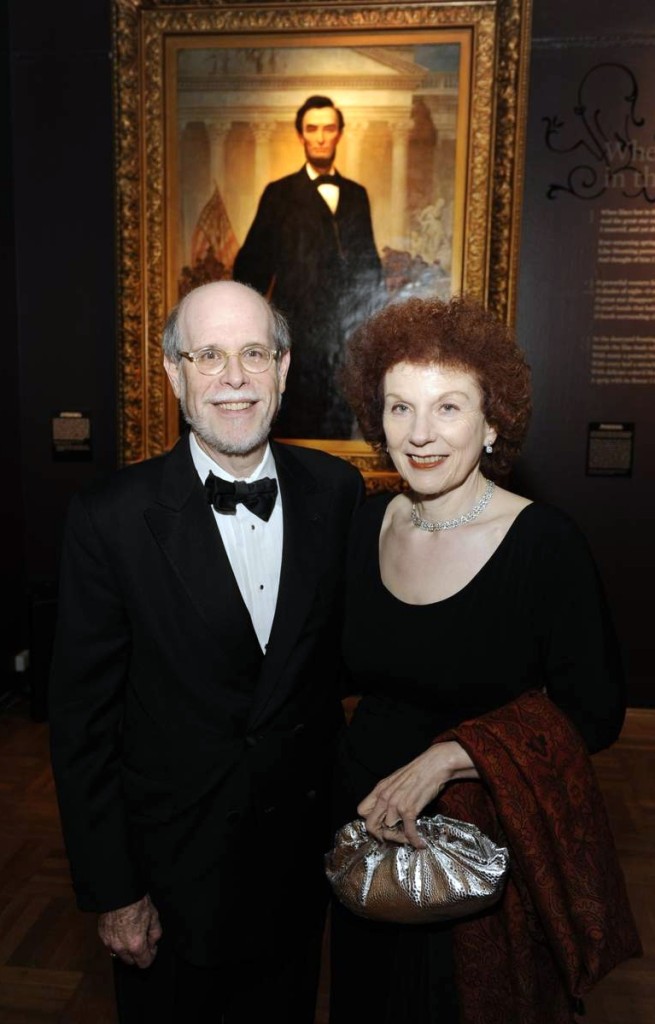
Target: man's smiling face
231	413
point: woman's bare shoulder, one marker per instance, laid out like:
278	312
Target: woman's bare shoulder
506	503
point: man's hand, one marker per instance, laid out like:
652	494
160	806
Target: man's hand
132	933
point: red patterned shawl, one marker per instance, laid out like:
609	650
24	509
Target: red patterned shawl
565	920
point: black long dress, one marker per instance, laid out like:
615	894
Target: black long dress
534	616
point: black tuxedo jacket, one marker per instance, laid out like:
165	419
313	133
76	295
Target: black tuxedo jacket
302	255
324	272
185	760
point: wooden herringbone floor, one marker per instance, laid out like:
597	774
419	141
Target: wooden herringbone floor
54	971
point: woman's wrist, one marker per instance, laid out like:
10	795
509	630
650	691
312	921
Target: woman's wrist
458	764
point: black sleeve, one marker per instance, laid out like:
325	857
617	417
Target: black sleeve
256	260
85	705
583	664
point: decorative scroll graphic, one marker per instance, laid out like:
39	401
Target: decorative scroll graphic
614	144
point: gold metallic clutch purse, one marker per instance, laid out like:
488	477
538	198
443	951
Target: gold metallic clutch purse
459	872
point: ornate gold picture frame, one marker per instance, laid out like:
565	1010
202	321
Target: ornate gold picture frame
194	83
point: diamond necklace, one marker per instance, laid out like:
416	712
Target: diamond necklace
450	524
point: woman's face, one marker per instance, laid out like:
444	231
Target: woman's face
434	425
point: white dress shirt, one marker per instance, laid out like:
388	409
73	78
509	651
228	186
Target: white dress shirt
330	193
253	546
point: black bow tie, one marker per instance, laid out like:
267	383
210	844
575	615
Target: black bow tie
326	179
225	495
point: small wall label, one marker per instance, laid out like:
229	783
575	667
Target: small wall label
71	436
610	449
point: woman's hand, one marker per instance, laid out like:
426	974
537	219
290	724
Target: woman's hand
391	809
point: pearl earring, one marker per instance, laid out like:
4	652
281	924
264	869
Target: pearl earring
488	448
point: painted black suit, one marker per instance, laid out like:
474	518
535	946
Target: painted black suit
184	757
323	271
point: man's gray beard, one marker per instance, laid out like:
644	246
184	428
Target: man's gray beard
219	444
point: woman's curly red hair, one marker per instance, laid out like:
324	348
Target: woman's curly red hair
460	334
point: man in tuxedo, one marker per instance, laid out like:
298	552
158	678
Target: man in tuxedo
311	249
194	695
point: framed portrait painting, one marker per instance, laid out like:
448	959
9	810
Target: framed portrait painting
430	100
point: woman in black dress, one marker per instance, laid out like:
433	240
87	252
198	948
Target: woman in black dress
463	599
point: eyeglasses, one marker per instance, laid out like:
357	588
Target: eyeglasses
210	360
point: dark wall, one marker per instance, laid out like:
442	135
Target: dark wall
11	506
61	348
63	336
558	267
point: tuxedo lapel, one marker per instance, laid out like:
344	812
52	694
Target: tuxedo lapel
347	201
304	508
183	524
